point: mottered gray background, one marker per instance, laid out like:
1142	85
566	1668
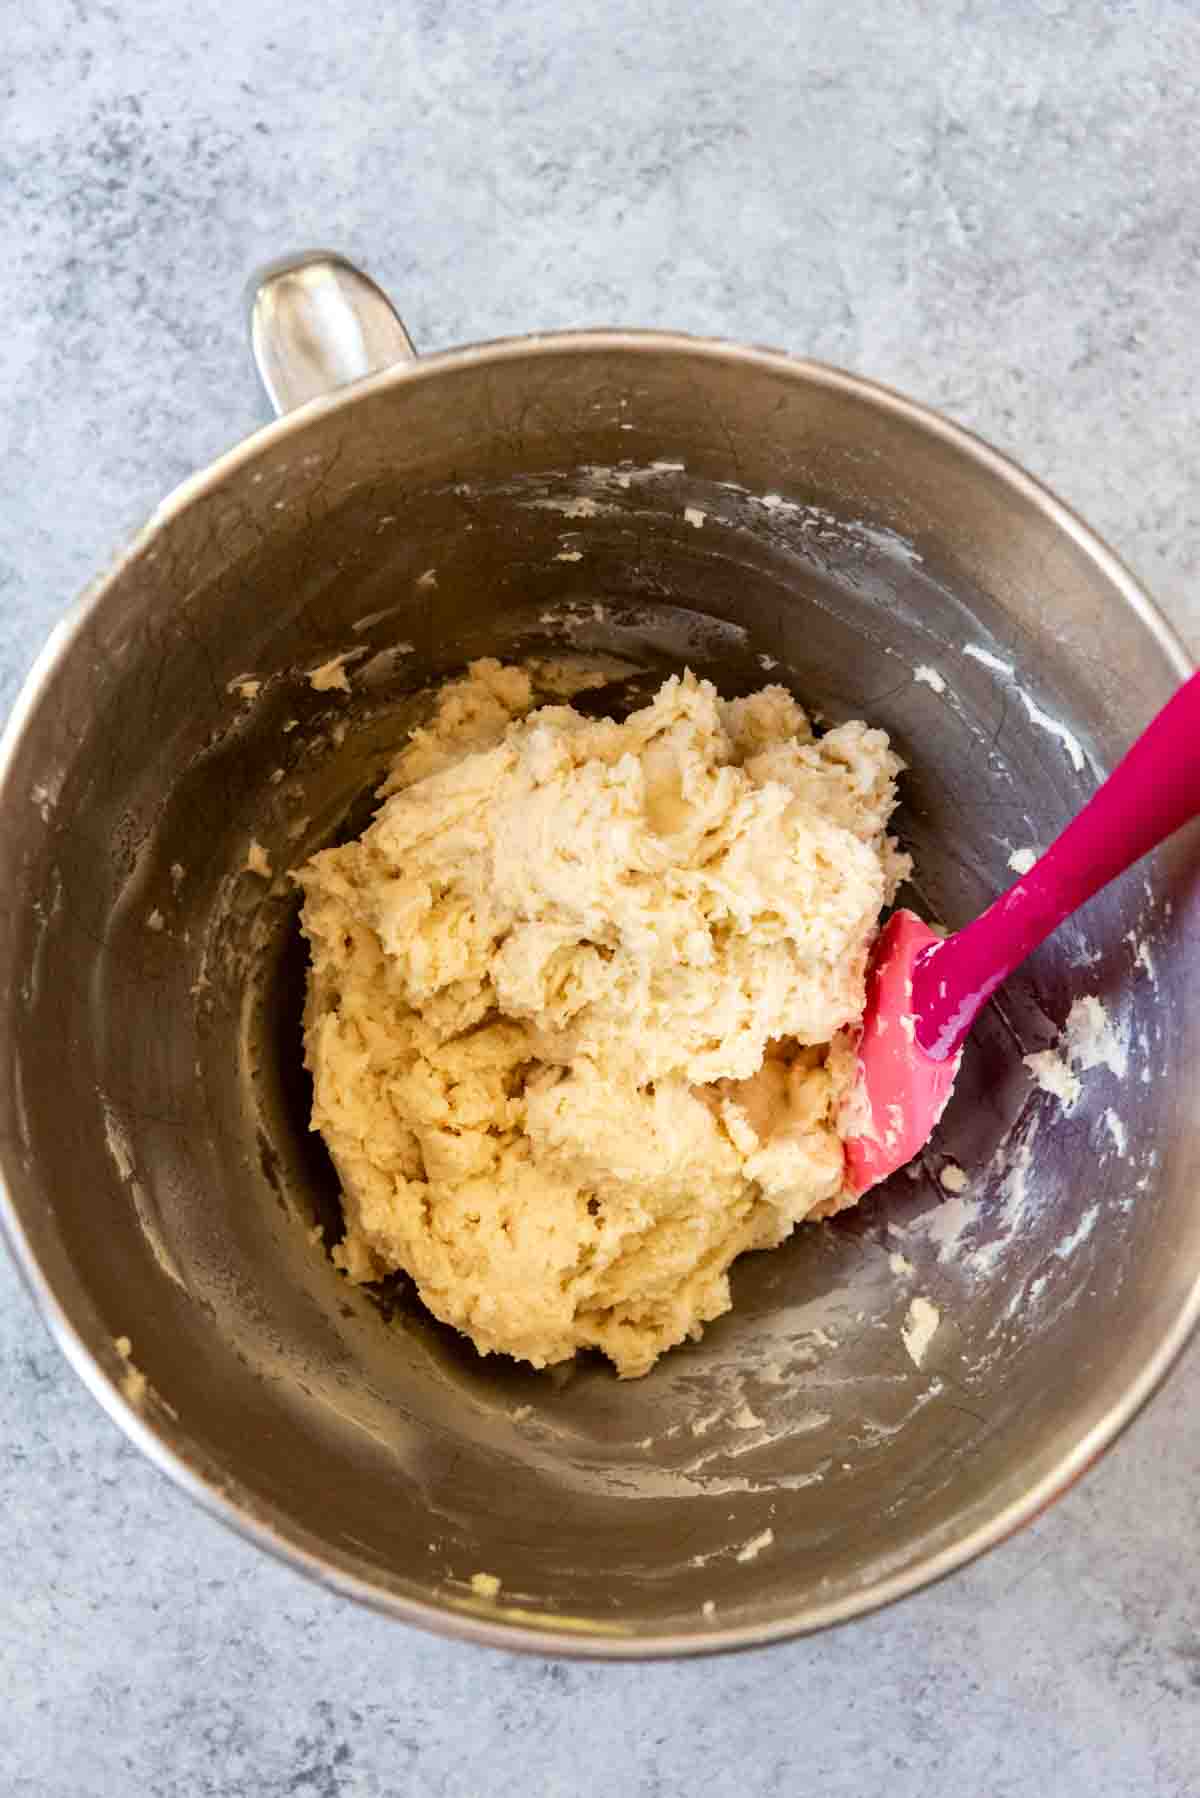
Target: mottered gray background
993	206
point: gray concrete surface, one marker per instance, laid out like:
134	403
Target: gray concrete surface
993	206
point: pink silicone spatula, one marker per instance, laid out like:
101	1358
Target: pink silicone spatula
924	991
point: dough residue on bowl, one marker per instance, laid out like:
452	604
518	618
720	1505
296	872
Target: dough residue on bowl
1089	1039
919	1328
581	1005
257	860
331	675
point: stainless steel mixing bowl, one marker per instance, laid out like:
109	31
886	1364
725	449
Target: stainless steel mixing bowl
797	1466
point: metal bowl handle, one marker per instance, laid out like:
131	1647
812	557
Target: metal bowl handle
316	323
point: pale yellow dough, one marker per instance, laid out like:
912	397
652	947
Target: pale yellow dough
579	1004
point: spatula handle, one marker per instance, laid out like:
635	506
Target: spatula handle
1153	790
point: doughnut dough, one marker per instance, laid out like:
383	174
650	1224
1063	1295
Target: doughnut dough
581	1001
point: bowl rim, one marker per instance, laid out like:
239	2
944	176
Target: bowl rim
170	1449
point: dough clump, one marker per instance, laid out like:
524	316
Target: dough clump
581	1005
